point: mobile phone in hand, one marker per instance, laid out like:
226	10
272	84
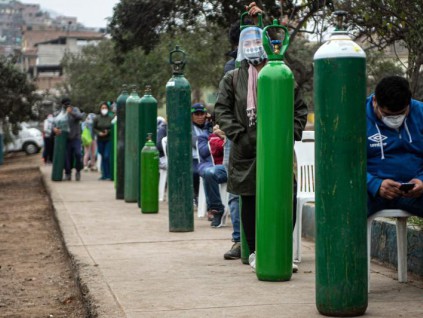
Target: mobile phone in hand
405	187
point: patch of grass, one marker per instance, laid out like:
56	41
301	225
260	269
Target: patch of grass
415	220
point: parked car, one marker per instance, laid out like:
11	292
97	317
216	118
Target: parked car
28	139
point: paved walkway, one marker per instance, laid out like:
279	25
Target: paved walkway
133	266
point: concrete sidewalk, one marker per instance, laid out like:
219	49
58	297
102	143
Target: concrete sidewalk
132	266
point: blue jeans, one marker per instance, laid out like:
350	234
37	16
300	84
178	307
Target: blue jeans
104	148
233	202
73	152
213	176
412	206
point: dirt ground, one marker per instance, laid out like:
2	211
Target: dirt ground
36	276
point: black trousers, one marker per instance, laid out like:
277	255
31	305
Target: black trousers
248	216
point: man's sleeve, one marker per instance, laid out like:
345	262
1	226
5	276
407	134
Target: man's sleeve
225	110
373	185
203	146
75	113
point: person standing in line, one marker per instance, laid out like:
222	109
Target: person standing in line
233	199
90	150
73	143
236	115
48	139
102	126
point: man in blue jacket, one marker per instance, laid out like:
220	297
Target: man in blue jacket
394	148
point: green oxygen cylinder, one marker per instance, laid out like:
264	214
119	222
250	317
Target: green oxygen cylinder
114	171
275	112
112	149
60	140
149	177
120	145
147	123
132	147
180	180
341	197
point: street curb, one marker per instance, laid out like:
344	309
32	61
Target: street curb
96	295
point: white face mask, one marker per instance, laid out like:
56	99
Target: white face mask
255	55
104	112
393	122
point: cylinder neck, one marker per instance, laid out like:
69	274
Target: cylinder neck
124	89
147	90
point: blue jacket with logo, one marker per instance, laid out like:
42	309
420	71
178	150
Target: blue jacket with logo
395	154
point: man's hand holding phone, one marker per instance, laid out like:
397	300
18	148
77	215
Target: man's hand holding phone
412	189
389	189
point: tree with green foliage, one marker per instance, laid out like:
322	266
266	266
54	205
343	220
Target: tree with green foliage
92	76
143	23
379	67
17	95
384	23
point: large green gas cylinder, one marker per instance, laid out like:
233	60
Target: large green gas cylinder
112	149
120	145
341	211
113	172
149	177
275	112
60	140
147	122
132	147
180	183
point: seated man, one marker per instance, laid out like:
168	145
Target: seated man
210	150
394	148
199	126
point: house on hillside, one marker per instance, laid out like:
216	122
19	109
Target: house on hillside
43	51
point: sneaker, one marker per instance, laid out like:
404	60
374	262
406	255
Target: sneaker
234	252
68	177
86	169
94	168
217	219
294	268
78	176
209	216
252	261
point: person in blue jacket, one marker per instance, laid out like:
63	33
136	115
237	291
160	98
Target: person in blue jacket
394	148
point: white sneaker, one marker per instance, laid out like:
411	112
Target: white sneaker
294	268
252	261
85	168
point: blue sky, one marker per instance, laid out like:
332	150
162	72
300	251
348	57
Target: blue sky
91	13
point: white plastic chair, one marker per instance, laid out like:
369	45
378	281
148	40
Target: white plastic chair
163	173
401	225
304	151
202	203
